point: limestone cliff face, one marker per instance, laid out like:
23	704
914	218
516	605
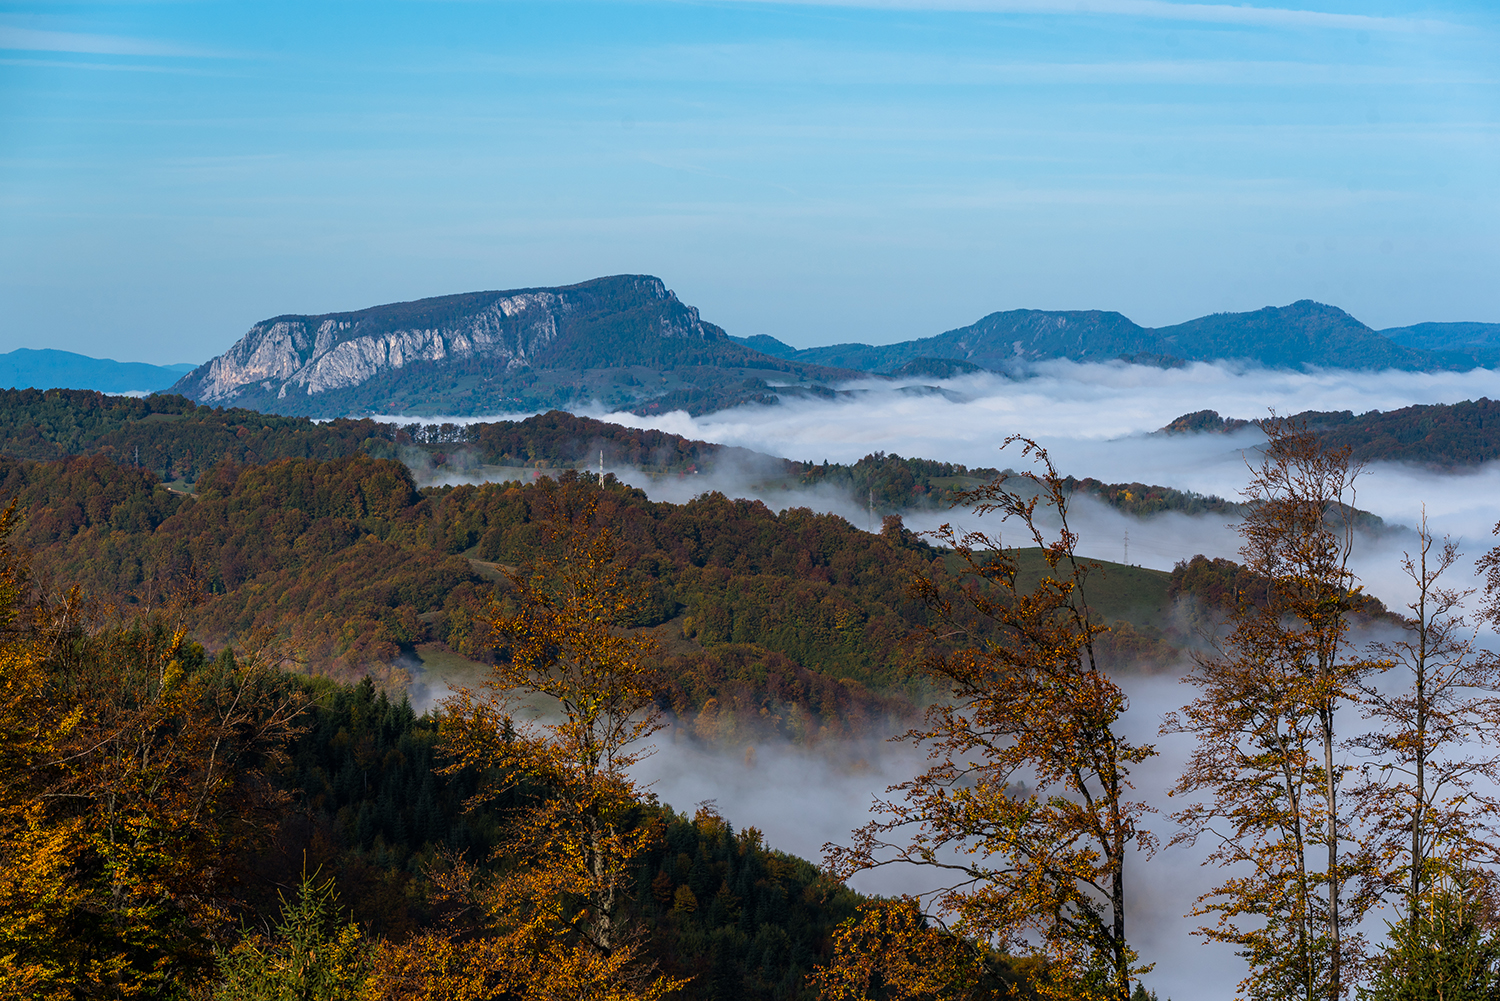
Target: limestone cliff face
510	331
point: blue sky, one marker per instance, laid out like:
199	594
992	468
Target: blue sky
172	172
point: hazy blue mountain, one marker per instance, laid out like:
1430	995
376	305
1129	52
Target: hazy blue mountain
625	341
766	344
1303	333
1479	341
47	368
1001	341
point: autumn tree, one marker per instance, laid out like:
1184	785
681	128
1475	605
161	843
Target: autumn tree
891	951
562	718
1027	807
134	775
1268	764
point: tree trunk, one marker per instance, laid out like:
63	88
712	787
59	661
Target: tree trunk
1335	984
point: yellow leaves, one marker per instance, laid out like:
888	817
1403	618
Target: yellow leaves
120	754
887	951
1029	704
554	921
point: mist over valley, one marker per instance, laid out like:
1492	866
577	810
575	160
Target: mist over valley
394	528
727	500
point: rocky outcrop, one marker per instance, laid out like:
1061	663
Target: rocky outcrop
511	331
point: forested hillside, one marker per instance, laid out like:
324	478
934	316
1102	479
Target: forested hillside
182	826
1448	435
180	441
211	770
796	623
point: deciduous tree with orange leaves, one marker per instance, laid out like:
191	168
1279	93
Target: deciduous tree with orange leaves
560	721
133	776
891	951
1027	808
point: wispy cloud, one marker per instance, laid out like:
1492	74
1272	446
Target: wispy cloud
69	64
33	40
1160	9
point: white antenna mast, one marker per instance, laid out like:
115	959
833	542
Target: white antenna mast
601	467
1127	547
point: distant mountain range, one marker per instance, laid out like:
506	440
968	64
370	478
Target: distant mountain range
1459	342
627	342
1304	333
46	368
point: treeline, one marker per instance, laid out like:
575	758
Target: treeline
181	440
893	484
1448	435
1143	500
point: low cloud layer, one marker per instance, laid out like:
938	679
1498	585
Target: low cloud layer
1097	420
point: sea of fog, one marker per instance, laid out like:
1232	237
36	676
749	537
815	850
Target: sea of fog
1096	420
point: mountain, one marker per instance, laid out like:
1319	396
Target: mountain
47	368
624	341
1001	341
1479	342
1303	333
766	345
627	343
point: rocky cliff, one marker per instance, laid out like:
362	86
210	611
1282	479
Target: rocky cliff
624	340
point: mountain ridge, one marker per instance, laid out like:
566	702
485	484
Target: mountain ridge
1480	341
626	339
628	342
1302	333
46	368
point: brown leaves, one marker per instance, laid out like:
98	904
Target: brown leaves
1026	809
132	775
552	916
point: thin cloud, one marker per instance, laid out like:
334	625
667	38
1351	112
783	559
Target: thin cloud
32	40
1160	9
103	67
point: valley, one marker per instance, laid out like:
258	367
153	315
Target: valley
367	556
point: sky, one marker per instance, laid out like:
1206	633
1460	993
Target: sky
171	173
